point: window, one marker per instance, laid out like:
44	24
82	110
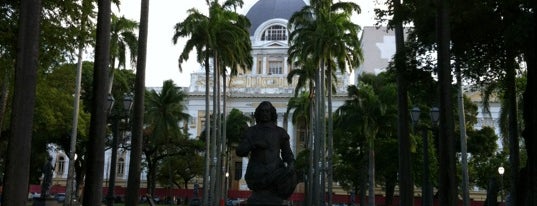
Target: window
275	67
121	167
60	165
275	33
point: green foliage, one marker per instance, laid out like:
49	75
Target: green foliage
53	116
482	142
237	123
164	110
223	33
163	136
369	115
180	168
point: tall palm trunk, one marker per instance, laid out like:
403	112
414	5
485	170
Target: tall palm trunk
224	137
371	167
311	158
462	128
330	139
70	190
316	151
18	160
406	183
447	183
214	150
3	99
208	133
514	147
322	133
94	179
528	194
138	115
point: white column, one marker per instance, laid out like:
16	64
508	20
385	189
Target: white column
264	65
254	65
285	66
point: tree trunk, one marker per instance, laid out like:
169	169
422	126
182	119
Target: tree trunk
330	139
447	183
530	120
135	163
514	148
214	158
224	146
19	146
371	170
406	183
316	151
95	158
70	193
462	128
3	100
207	172
391	181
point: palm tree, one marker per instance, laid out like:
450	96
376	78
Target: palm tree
222	36
324	32
235	53
138	114
18	162
122	39
196	27
164	112
95	158
369	111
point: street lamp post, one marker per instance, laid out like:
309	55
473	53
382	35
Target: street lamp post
501	170
124	114
427	191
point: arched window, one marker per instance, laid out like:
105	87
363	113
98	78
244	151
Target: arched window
120	167
60	165
275	33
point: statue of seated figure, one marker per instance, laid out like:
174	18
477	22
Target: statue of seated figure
270	173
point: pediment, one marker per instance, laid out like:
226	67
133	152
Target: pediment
275	44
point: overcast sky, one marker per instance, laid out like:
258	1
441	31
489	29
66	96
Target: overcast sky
162	54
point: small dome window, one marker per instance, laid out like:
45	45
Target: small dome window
275	33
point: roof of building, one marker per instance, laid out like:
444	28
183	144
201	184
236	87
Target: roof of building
264	10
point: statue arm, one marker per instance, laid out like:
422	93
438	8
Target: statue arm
286	152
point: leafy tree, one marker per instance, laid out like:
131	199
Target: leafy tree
181	168
372	106
163	136
350	149
489	49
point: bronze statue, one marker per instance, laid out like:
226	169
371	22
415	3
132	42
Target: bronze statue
48	170
270	173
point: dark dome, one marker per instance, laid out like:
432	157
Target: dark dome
265	10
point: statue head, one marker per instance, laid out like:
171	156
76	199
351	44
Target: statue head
265	112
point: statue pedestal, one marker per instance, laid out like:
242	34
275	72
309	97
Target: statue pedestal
265	198
45	202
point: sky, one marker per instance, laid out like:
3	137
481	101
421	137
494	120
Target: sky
162	54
